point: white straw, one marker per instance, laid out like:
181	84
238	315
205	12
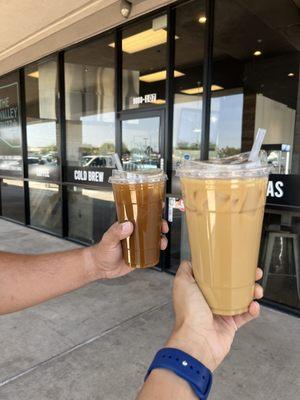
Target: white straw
118	162
257	144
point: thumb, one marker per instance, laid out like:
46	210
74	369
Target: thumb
185	272
117	232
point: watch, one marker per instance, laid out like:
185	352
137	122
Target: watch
187	367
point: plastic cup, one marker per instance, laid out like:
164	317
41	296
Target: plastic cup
224	203
139	198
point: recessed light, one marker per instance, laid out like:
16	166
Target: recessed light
291	74
159	76
143	40
202	20
34	74
159	101
199	89
257	53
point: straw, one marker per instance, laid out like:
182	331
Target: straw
118	162
257	144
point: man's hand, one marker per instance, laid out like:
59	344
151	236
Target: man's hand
197	331
106	260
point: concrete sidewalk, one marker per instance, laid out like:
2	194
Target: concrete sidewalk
97	342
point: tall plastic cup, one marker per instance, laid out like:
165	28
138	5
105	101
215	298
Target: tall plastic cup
224	203
139	198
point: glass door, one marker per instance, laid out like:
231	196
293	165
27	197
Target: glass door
142	140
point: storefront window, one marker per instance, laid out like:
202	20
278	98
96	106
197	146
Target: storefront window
144	63
45	206
91	212
256	70
90	109
43	127
190	22
10	126
255	80
12	197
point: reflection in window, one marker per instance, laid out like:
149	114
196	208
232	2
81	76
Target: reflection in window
226	124
144	63
90	112
10	127
91	212
43	128
140	143
188	87
45	206
258	60
12	196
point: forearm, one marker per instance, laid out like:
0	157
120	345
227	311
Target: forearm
163	384
26	280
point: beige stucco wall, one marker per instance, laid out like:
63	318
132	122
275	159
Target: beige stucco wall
79	24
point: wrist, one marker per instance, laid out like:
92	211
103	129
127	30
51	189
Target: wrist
92	270
193	344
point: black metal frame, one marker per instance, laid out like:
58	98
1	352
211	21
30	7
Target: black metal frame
118	88
24	146
62	143
207	77
120	114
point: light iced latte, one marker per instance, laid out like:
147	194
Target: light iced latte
224	208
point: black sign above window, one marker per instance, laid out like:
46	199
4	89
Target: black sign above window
38	168
95	176
283	190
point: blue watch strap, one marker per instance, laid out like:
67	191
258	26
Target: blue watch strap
185	366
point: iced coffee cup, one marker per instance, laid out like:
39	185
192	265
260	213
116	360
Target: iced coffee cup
139	198
224	203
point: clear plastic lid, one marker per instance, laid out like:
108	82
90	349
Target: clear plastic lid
237	166
139	176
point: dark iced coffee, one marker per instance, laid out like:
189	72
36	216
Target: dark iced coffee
139	198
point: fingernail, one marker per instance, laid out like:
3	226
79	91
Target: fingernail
126	227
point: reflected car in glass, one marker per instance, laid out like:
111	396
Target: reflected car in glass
97	161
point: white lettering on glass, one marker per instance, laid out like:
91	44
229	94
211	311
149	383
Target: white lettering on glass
80	175
148	98
95	176
278	187
45	173
90	176
275	190
270	190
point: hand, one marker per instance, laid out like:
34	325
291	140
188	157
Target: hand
107	258
197	331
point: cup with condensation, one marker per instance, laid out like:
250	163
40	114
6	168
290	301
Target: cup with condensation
224	203
139	198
